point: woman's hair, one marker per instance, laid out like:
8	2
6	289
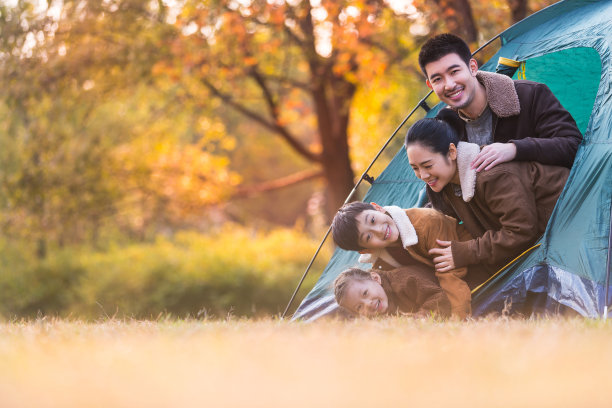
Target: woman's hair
345	278
433	133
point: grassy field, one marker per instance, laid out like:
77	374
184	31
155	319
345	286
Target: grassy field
272	363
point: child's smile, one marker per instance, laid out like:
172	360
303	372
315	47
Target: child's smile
376	229
366	298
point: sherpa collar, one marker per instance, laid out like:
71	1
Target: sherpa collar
501	93
406	230
466	152
407	233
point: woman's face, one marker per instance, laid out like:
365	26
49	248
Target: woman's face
436	169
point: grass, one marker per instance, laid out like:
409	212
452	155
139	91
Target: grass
273	363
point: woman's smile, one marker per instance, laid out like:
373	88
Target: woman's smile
435	169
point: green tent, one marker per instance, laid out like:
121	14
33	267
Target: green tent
566	46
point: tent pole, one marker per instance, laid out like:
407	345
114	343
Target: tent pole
348	198
605	313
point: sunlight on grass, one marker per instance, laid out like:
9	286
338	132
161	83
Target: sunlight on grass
237	363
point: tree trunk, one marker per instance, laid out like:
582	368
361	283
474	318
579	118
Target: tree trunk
332	96
459	19
518	10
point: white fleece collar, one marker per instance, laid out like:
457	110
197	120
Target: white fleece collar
406	230
466	152
407	233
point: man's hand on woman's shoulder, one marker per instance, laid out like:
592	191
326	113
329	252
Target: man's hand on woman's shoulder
494	154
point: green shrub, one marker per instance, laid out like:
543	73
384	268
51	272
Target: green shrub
235	270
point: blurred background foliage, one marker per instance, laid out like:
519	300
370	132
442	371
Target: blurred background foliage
235	270
184	157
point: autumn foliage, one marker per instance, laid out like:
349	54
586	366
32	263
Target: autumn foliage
125	120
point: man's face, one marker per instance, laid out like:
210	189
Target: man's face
454	82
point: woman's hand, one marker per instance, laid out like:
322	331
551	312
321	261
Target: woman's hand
444	260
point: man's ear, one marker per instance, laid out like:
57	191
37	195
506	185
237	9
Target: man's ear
473	65
452	151
378	207
375	276
428	84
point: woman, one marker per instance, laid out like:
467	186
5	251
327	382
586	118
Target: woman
505	209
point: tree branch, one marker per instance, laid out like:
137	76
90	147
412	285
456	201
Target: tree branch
272	185
282	79
285	80
394	56
274	127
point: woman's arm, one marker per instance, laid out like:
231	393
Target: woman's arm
509	197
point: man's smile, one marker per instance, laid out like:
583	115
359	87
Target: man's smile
455	93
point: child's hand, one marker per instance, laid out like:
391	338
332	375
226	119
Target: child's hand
444	261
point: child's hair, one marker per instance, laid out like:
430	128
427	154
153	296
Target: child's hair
440	46
344	225
435	134
342	282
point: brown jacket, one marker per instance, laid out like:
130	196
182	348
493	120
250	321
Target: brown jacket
529	115
419	228
415	290
505	209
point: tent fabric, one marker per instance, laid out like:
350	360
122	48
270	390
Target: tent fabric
567	46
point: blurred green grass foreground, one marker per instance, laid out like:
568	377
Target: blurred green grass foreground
235	271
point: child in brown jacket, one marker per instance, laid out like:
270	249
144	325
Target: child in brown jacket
392	237
411	290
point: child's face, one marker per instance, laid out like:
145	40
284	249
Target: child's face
376	229
366	297
436	169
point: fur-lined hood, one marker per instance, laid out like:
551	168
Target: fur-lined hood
501	93
407	234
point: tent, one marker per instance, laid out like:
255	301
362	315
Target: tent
568	47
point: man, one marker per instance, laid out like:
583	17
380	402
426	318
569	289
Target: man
514	120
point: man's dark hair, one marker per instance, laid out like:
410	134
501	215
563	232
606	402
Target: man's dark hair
344	225
440	46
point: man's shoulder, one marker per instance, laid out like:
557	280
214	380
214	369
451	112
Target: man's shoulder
524	86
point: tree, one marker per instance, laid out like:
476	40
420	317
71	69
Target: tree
87	128
293	68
